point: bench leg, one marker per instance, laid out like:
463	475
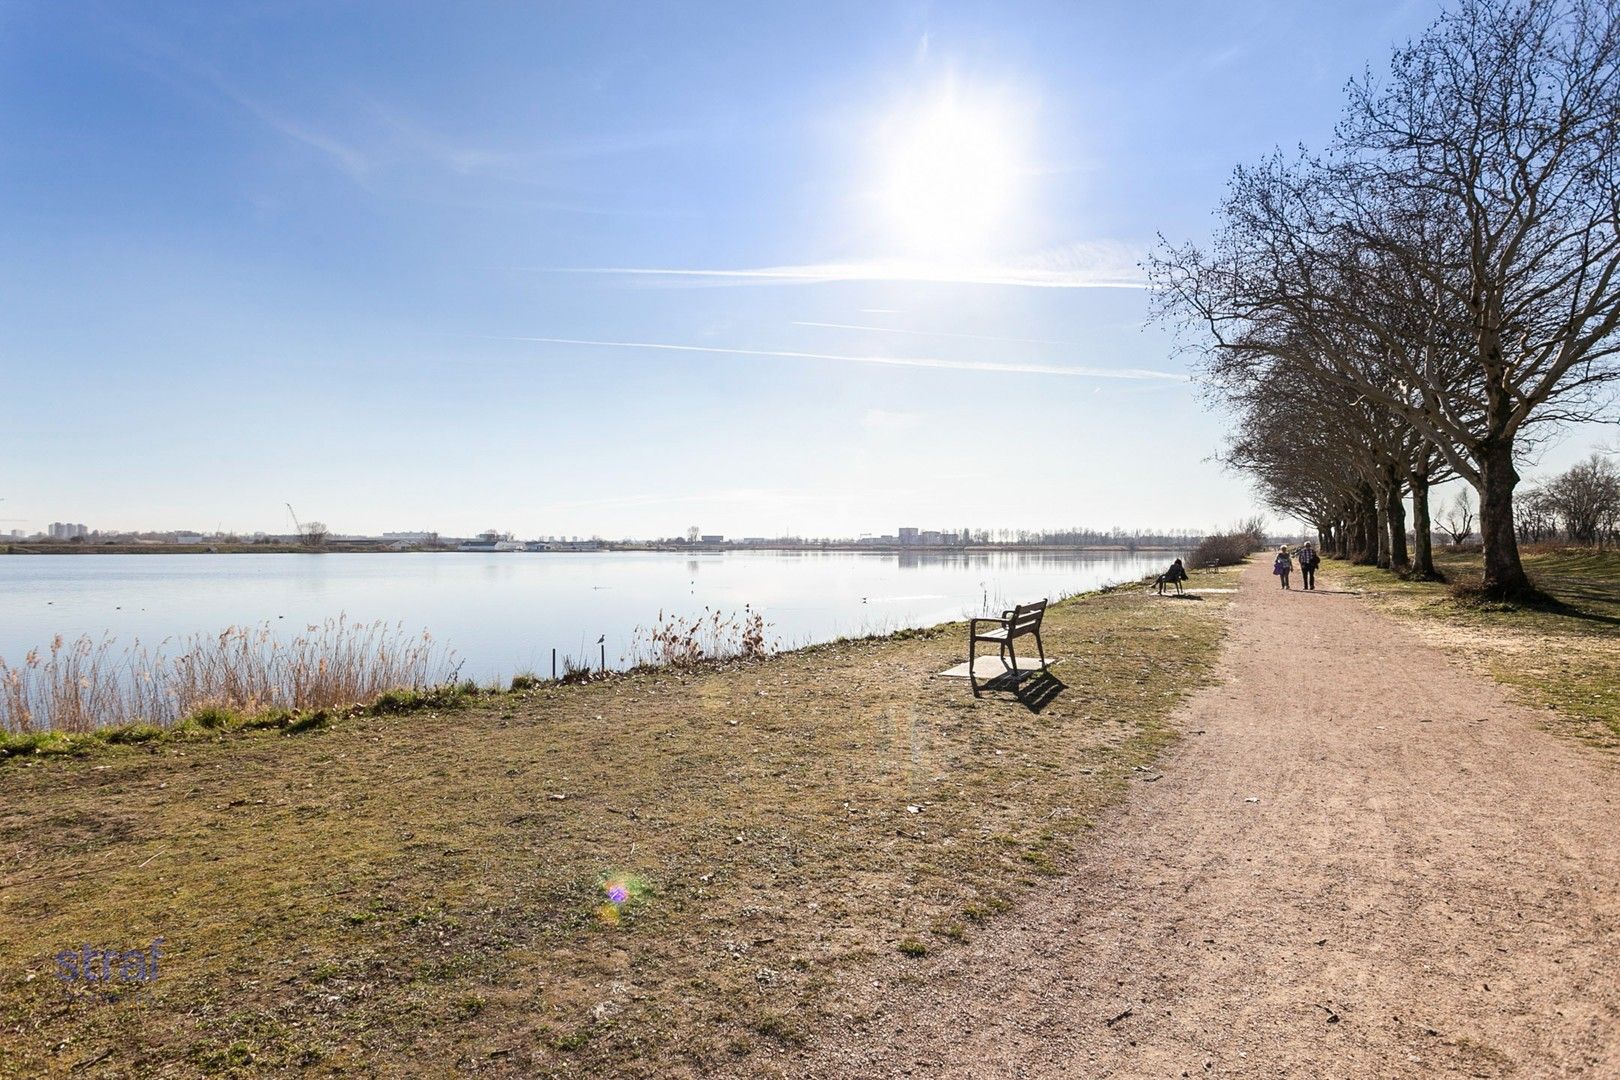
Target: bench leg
1041	646
1012	667
972	652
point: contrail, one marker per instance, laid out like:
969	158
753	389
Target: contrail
933	333
892	361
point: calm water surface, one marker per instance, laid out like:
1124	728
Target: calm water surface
503	613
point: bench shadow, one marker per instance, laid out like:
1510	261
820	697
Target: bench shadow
1178	596
1034	690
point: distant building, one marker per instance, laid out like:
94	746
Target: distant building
62	530
908	536
563	545
712	538
931	537
410	537
188	538
491	540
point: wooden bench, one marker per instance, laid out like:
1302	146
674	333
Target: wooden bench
1023	620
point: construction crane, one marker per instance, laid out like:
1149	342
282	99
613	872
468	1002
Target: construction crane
298	530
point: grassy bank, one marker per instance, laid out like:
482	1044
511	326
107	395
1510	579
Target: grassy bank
1564	656
662	873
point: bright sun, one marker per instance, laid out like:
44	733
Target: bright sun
950	173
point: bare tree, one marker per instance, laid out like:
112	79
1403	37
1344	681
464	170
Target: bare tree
1459	518
314	533
1586	501
1455	258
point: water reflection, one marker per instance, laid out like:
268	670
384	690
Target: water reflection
504	612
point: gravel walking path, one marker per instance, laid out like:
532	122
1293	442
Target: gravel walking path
1361	861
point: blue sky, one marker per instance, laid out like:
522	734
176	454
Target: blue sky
348	255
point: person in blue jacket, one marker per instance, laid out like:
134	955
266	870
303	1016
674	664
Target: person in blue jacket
1284	565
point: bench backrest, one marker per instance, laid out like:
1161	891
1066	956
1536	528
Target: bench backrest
1026	618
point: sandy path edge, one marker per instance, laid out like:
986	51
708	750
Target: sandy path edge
1362	861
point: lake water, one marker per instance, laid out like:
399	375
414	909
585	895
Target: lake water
503	613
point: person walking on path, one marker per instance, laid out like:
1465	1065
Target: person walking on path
1173	576
1309	560
1284	565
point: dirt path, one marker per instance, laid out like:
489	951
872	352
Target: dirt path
1362	861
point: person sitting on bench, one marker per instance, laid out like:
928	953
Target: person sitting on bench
1173	576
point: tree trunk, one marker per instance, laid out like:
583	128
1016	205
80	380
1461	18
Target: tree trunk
1381	524
1505	578
1395	521
1366	553
1422	544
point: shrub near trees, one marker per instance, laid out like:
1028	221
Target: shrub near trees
1440	283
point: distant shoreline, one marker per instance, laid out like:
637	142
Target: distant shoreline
26	548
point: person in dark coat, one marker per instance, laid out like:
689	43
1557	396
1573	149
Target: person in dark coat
1309	560
1173	576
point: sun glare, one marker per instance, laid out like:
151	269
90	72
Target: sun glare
950	174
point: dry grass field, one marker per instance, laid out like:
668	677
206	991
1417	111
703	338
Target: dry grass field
657	874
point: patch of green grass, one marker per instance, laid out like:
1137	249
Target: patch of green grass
781	1028
467	1007
396	701
982	910
130	734
912	947
40	743
213	718
307	721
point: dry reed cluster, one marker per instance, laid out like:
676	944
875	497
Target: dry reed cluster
82	685
714	635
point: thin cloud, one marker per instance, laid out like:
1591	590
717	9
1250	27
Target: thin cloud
891	361
1025	276
932	333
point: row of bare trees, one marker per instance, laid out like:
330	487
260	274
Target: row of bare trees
1430	294
1580	506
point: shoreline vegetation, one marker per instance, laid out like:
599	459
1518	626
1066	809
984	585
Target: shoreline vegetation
77	692
1560	652
81	693
663	871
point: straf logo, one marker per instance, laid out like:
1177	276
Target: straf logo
88	969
